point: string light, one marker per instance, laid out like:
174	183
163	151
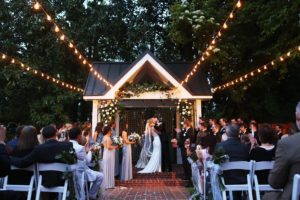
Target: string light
63	37
209	51
256	71
39	73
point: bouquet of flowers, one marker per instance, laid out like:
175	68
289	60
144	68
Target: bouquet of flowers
117	141
134	137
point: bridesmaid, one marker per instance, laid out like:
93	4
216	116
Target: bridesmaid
98	134
108	160
126	172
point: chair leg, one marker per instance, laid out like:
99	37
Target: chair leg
38	190
250	195
230	195
64	197
224	195
30	188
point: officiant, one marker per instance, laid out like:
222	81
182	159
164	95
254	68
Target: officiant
165	142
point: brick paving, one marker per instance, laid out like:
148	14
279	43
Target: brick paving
146	193
155	186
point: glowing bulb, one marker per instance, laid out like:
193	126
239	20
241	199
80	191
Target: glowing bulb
231	15
35	72
288	54
13	61
22	65
75	51
210	48
80	57
272	63
219	34
71	45
37	6
239	4
28	68
246	76
202	58
299	48
62	37
3	56
281	59
207	53
252	74
84	62
258	71
225	26
265	67
56	29
42	75
199	62
48	17
213	42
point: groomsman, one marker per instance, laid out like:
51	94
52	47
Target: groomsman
186	141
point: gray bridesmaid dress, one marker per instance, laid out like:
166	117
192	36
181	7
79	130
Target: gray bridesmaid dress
126	172
108	166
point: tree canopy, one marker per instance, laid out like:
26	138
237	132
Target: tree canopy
120	30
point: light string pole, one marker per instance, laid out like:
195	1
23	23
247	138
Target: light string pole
42	75
209	51
257	71
66	40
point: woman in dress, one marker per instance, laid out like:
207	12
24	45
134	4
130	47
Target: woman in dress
126	171
87	133
26	143
154	164
108	160
264	152
98	134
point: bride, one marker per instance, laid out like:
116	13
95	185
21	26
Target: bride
150	149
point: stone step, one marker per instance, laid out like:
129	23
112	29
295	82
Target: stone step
151	182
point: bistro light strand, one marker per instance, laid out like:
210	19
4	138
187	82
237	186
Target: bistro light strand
210	49
257	71
42	75
66	40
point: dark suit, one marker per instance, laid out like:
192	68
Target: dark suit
45	153
236	152
4	161
165	151
184	135
287	164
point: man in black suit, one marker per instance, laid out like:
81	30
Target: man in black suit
46	153
186	141
165	142
236	152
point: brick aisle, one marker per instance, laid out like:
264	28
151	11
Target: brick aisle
166	185
146	193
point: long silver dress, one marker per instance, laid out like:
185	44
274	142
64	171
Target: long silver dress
108	166
126	171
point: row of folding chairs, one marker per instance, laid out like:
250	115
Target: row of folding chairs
252	181
37	179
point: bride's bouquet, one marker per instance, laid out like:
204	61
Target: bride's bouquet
134	137
117	141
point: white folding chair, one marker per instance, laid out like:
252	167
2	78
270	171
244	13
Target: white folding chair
258	166
22	188
296	187
59	167
237	165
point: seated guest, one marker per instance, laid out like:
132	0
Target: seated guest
254	130
243	130
92	176
287	164
11	145
245	139
264	152
26	143
46	153
236	152
4	158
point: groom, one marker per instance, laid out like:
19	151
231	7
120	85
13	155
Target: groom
165	155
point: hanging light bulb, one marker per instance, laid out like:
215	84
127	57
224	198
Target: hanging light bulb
48	17
239	4
56	29
231	15
37	6
13	61
62	37
225	26
219	34
3	56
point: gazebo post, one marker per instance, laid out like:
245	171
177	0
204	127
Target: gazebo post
198	110
94	115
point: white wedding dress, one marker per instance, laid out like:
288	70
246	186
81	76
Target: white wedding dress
154	164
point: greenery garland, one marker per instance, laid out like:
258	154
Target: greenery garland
130	90
185	109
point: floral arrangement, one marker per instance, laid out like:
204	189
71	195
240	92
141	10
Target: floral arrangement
185	109
108	110
117	141
130	90
220	157
69	157
134	137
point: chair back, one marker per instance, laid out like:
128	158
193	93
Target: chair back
59	167
296	187
237	165
263	165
